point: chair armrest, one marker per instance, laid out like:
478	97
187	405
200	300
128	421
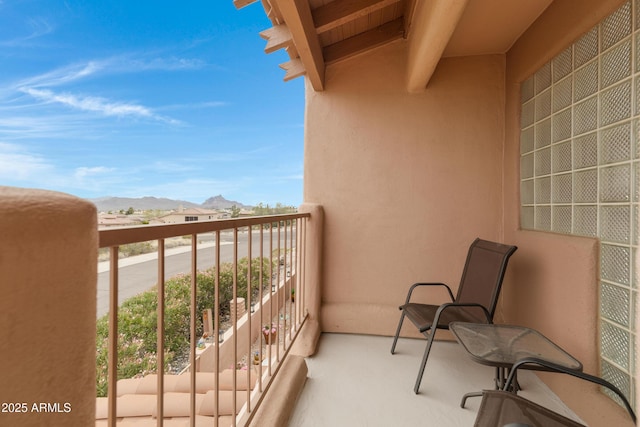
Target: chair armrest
443	307
415	285
554	367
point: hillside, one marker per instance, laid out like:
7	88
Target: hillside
115	204
219	202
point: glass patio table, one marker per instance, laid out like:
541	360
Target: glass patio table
501	346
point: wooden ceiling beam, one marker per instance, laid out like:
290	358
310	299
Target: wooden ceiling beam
297	16
432	25
337	13
362	42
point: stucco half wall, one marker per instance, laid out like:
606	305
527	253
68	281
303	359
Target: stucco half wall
407	181
48	275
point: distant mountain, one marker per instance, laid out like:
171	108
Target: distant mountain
115	204
219	202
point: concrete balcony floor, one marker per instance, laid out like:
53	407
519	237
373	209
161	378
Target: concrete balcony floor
354	380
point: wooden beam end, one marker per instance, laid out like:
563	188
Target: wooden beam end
239	4
294	68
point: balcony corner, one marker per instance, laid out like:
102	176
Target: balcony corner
307	342
278	405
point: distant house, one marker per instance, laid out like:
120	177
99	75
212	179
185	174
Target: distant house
189	215
242	213
118	220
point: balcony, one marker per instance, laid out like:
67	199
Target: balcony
347	368
350	375
360	364
423	173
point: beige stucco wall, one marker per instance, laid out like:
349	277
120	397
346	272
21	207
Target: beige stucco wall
407	181
48	276
554	282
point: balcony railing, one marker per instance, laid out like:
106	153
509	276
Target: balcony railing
281	241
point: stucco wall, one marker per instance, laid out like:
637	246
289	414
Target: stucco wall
554	282
48	276
407	181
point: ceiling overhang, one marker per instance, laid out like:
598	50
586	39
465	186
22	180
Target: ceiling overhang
319	33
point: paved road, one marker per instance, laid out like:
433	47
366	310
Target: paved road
139	273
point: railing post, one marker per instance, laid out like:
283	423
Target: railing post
307	342
160	327
112	383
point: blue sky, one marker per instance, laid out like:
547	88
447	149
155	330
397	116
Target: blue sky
136	98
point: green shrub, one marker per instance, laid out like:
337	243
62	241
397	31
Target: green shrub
130	249
137	319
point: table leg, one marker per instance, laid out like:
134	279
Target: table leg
499	378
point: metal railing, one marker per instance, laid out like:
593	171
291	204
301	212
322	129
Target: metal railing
282	241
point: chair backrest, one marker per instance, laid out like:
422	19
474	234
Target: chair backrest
483	273
499	407
505	409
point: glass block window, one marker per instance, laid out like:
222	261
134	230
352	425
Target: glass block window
580	168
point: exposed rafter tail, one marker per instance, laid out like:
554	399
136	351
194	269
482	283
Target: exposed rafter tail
277	37
239	4
297	15
293	68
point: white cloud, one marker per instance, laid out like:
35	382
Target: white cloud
21	167
40	86
89	103
127	64
85	172
122	64
194	106
37	27
48	126
17	163
97	104
63	75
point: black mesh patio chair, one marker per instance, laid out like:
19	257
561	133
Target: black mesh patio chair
501	408
475	302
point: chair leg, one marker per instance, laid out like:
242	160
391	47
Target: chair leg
395	339
463	402
424	361
498	380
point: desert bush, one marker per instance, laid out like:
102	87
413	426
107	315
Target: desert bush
137	319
